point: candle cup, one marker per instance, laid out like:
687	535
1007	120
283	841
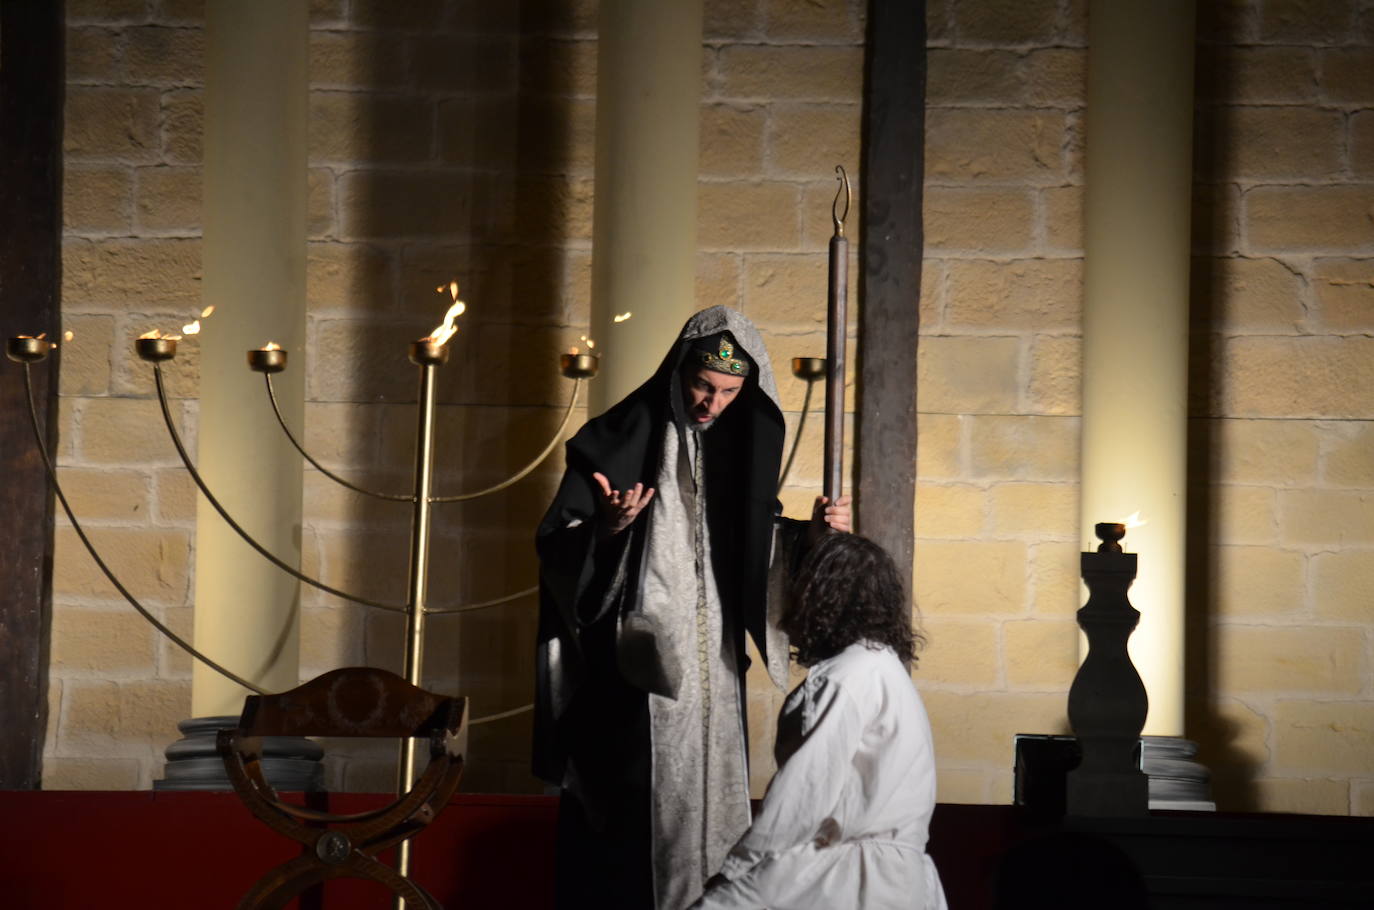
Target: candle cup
155	350
579	366
27	350
1110	533
265	360
428	353
808	368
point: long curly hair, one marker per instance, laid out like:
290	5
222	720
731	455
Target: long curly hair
848	591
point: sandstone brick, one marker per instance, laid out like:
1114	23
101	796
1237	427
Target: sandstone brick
963	785
1323	737
1283	660
970	578
776	73
556	136
124	431
718	280
366	60
982	221
1041	654
167	199
107	124
183	123
86	358
348	276
103	713
558	66
997	145
1362	144
939	447
1056	375
106	642
380	14
103	495
1276	452
1034	510
109	12
1216	219
1250	295
1306	21
549	208
1302	795
1230	22
1300	377
1348	455
949	511
958	76
1345	294
818	225
165	56
1062	208
1245	515
1232	736
829	21
1322	219
1054	570
96	199
980	726
331	637
726	20
91	773
1257	582
464	63
397	204
785	291
1043	294
1258	75
359	126
1326	517
1341	585
747	216
967	375
1006	22
1056	77
319	205
1362	797
1024	448
174	497
94	55
187	12
129	272
959	652
732	140
152	563
1275	143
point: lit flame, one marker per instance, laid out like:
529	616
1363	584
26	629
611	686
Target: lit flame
622	317
1134	520
449	327
271	346
68	335
590	344
207	312
157	333
191	328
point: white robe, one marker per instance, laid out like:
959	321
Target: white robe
846	817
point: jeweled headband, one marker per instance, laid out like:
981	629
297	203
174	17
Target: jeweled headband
720	356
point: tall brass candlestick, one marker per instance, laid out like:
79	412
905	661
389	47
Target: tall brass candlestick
428	355
835	336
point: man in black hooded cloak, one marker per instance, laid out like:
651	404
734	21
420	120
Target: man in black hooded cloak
662	547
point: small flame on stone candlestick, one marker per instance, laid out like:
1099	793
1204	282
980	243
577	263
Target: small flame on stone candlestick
1134	520
157	333
271	346
191	328
449	327
622	317
207	312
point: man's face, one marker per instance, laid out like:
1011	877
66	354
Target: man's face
706	394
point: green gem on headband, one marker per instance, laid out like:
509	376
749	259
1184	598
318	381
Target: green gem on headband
723	359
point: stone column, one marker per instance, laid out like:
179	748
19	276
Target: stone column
1135	321
648	112
246	610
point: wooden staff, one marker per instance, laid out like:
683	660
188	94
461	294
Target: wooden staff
836	327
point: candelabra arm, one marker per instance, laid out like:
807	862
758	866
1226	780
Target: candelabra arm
796	440
281	421
501	716
100	563
523	472
466	608
238	529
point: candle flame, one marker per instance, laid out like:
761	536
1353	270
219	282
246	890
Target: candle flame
622	317
572	350
591	345
157	333
68	335
1134	520
449	327
207	312
271	346
191	328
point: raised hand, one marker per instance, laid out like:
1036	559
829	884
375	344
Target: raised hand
835	517
620	508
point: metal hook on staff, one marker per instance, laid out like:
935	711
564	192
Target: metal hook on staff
839	218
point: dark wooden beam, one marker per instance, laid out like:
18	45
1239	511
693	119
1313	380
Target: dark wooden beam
891	246
31	90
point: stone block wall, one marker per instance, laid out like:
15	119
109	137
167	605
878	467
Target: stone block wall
449	139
